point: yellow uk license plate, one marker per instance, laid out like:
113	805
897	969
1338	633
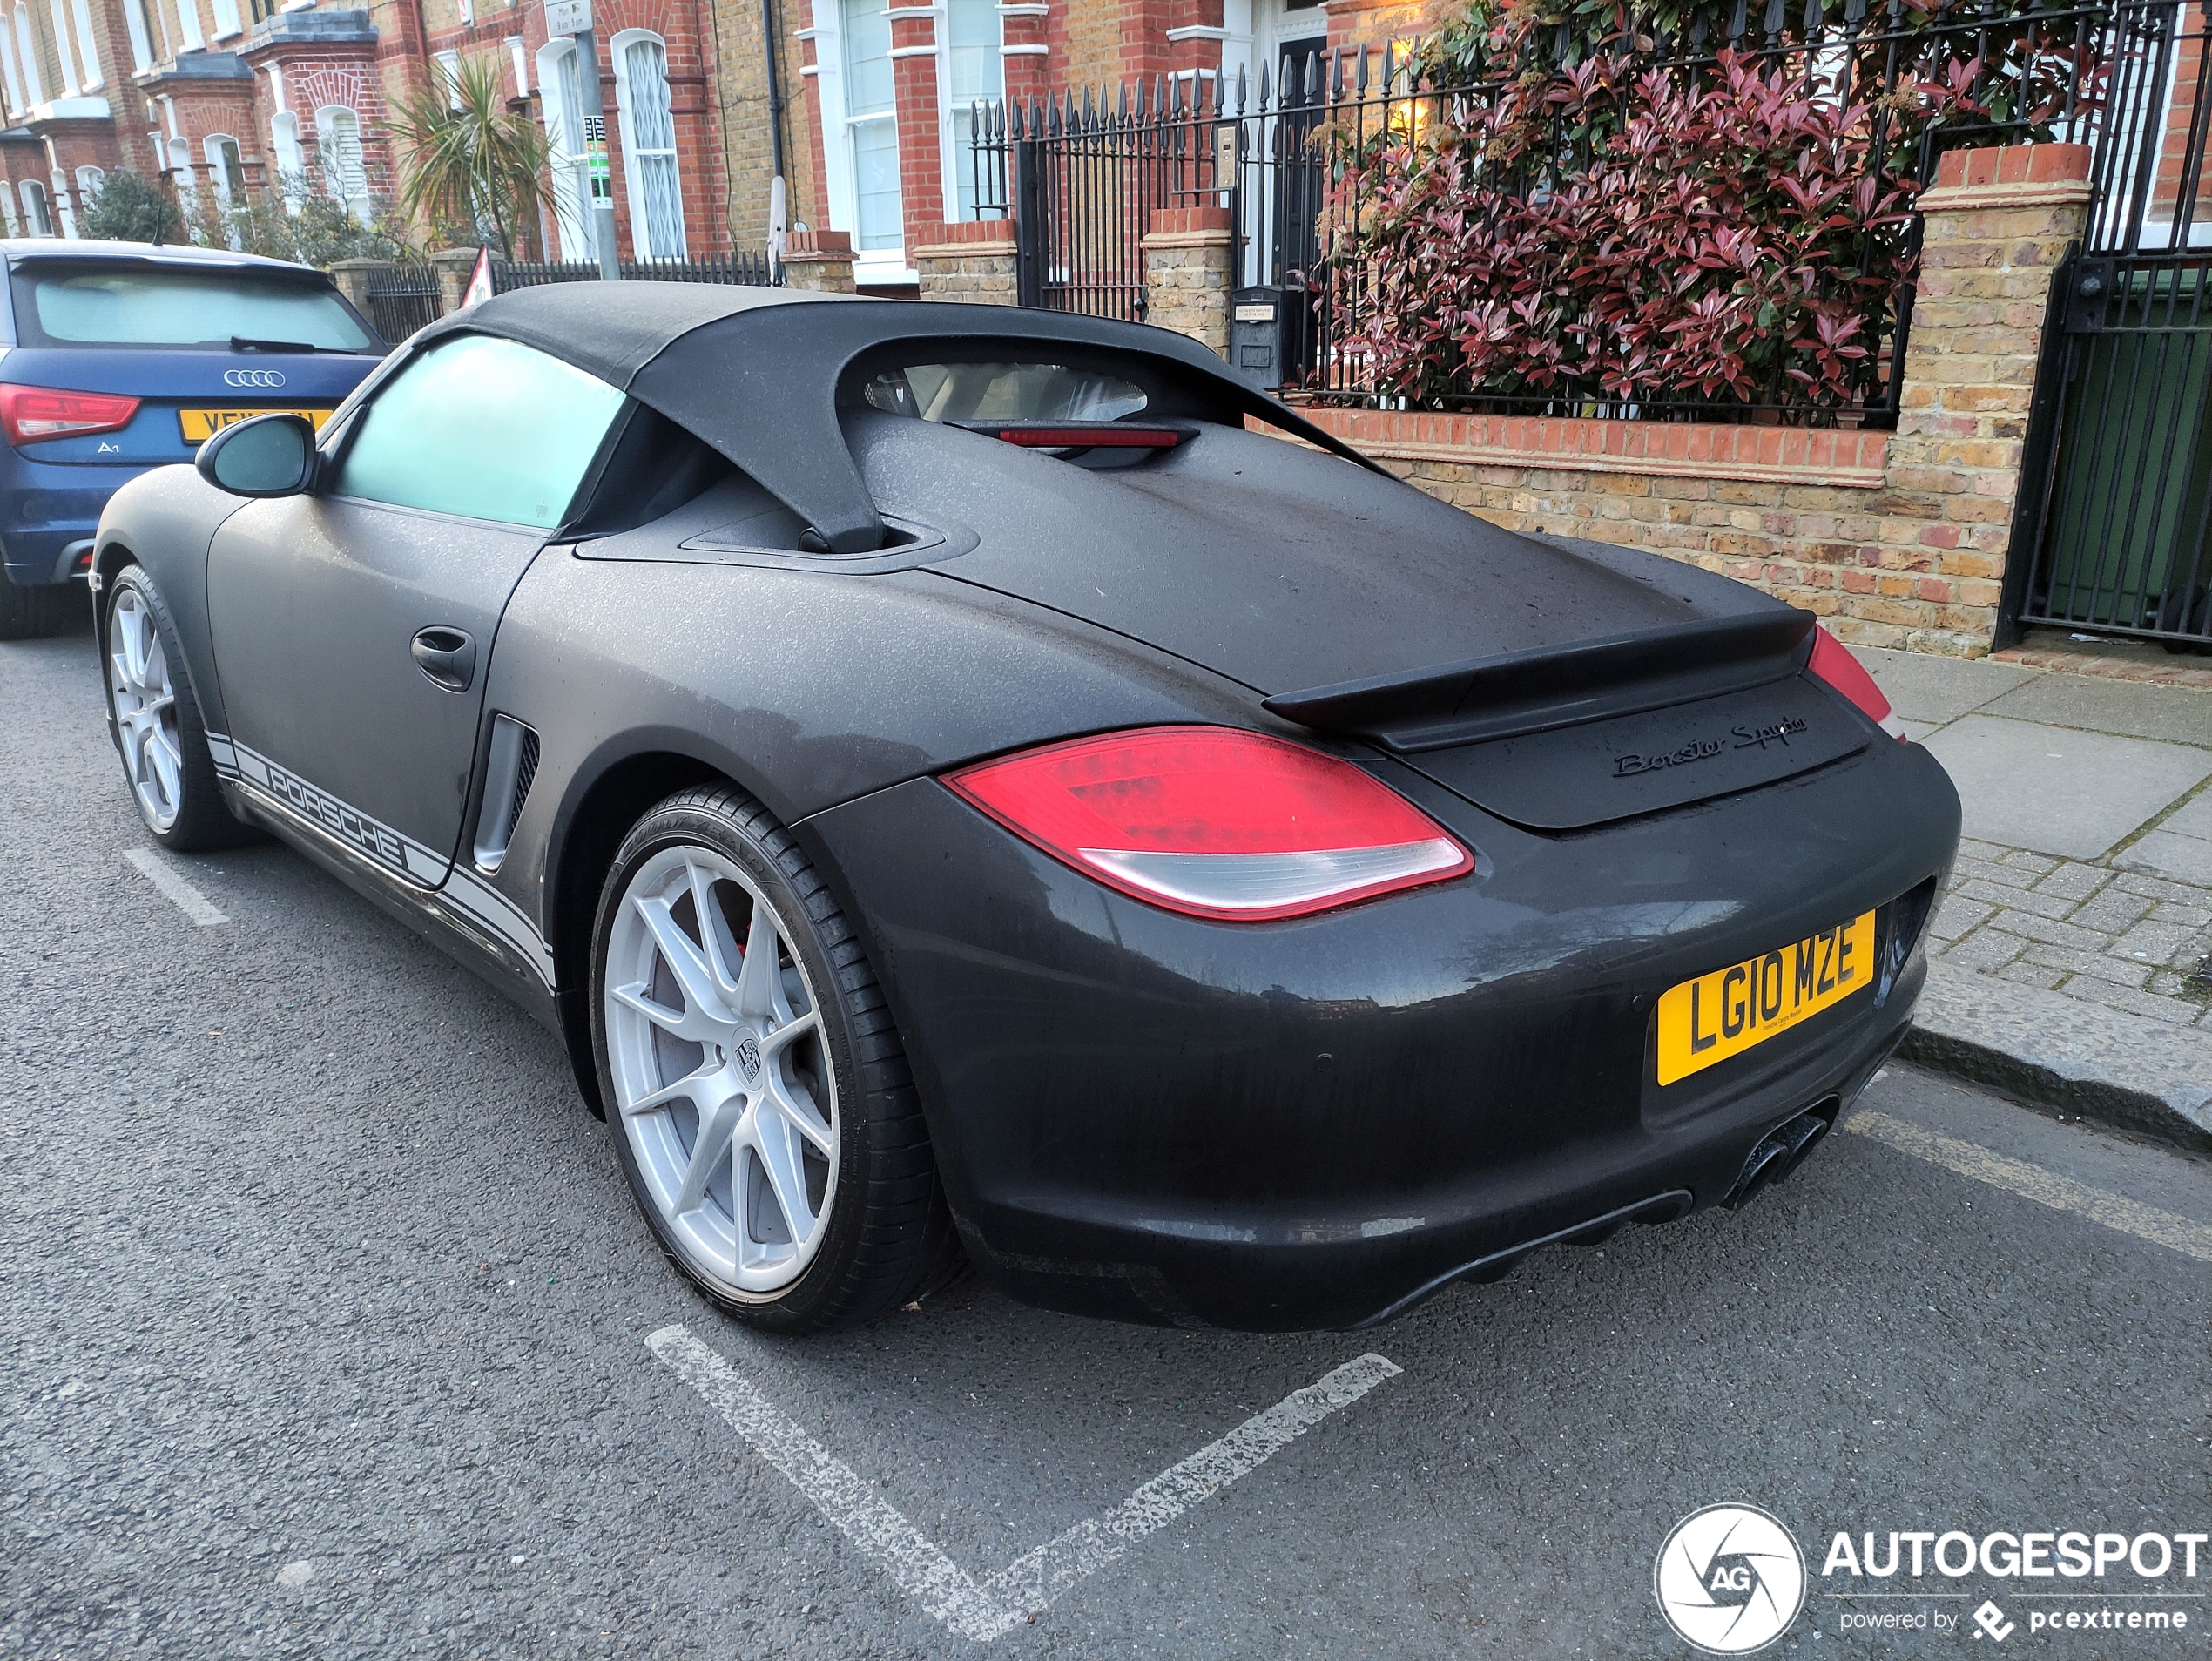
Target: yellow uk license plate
199	424
1724	1013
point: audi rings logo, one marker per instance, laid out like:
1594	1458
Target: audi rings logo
269	379
1729	1579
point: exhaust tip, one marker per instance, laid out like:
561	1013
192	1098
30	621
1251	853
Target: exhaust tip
1780	1151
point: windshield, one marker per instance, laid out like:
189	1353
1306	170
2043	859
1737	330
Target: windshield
1004	392
116	305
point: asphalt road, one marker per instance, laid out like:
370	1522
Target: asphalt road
323	1320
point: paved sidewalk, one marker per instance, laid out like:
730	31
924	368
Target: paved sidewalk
2073	955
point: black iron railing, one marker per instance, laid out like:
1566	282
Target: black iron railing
1307	156
744	267
403	299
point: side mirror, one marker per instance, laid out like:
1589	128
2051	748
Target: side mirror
270	455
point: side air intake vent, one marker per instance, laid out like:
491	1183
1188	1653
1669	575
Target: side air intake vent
508	778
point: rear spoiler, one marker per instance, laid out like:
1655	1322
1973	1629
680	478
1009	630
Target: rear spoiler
1551	686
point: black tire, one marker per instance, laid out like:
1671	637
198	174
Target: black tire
202	822
28	614
889	1235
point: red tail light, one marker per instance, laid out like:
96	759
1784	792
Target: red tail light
33	414
1835	664
1215	823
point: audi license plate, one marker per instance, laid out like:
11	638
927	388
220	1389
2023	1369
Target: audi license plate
1726	1012
200	424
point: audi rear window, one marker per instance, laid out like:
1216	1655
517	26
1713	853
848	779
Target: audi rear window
129	304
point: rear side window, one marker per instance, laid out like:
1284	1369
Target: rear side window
123	305
1004	392
483	428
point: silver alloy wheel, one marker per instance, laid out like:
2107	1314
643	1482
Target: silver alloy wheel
145	709
722	1083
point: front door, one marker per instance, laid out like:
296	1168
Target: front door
354	627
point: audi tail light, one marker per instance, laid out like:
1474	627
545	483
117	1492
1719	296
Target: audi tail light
1833	663
1213	822
33	414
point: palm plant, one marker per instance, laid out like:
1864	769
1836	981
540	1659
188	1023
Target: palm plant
468	159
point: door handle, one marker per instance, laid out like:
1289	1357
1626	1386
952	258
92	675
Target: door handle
447	656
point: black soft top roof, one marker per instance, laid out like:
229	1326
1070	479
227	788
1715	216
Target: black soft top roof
755	372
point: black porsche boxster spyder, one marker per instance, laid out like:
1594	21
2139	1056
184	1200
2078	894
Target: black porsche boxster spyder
959	790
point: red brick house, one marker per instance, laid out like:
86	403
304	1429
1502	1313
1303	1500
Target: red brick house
234	98
889	85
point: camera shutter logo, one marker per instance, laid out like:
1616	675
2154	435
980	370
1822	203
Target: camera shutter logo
1729	1579
267	380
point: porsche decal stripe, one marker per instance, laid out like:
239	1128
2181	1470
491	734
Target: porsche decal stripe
476	901
348	824
500	916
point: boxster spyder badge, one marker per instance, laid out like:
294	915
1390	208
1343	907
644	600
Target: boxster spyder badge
959	794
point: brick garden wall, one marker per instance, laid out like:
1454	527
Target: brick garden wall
1897	539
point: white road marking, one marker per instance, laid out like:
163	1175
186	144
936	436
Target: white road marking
2032	1182
989	1610
189	900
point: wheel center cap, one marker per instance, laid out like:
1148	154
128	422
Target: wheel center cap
746	1053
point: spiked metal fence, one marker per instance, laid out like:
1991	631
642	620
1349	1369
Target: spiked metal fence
1082	172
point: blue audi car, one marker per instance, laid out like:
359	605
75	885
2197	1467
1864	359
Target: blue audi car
116	357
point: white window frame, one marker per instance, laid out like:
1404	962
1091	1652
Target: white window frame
291	158
183	175
91	180
227	22
88	50
27	45
351	192
872	266
15	85
211	148
188	25
134	23
73	84
952	163
569	163
36	206
8	208
641	242
446	66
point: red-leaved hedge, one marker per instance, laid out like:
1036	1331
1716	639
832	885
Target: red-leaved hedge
1620	233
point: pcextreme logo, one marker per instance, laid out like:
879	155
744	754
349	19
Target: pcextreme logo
1729	1579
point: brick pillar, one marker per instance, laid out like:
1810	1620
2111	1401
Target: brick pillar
1024	51
1190	258
455	266
913	79
1996	225
352	277
819	261
972	260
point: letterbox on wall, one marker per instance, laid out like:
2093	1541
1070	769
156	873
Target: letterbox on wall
1269	331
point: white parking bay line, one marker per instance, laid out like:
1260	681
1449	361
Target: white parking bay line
2032	1182
986	1611
189	900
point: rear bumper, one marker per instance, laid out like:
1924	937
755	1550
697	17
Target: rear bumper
1312	1124
46	508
